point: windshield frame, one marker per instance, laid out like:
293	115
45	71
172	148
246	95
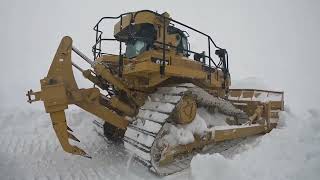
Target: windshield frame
133	49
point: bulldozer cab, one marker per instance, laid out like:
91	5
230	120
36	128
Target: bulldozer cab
146	30
145	36
141	39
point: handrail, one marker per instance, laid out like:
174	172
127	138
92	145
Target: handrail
97	50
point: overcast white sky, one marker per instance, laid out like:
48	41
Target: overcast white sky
275	40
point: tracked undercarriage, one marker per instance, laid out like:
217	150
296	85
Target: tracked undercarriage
159	140
153	134
153	96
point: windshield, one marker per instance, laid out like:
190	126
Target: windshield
135	48
185	45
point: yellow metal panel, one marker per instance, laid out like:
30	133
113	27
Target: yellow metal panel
125	22
141	68
142	17
54	97
185	72
234	133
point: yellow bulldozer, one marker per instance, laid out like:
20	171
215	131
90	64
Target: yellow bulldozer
150	96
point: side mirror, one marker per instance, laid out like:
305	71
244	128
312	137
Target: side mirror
197	56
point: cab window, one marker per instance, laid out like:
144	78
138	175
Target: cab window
134	48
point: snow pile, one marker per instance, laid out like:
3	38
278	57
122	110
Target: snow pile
184	134
30	149
212	118
291	151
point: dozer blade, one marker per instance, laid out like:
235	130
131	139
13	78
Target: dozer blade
248	99
156	138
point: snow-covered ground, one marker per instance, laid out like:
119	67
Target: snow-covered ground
291	151
30	150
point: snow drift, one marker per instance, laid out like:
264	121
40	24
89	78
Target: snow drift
291	151
30	150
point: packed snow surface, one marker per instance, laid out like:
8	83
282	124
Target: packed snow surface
291	151
30	150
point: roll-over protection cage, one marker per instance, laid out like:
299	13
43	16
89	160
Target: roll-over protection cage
208	63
